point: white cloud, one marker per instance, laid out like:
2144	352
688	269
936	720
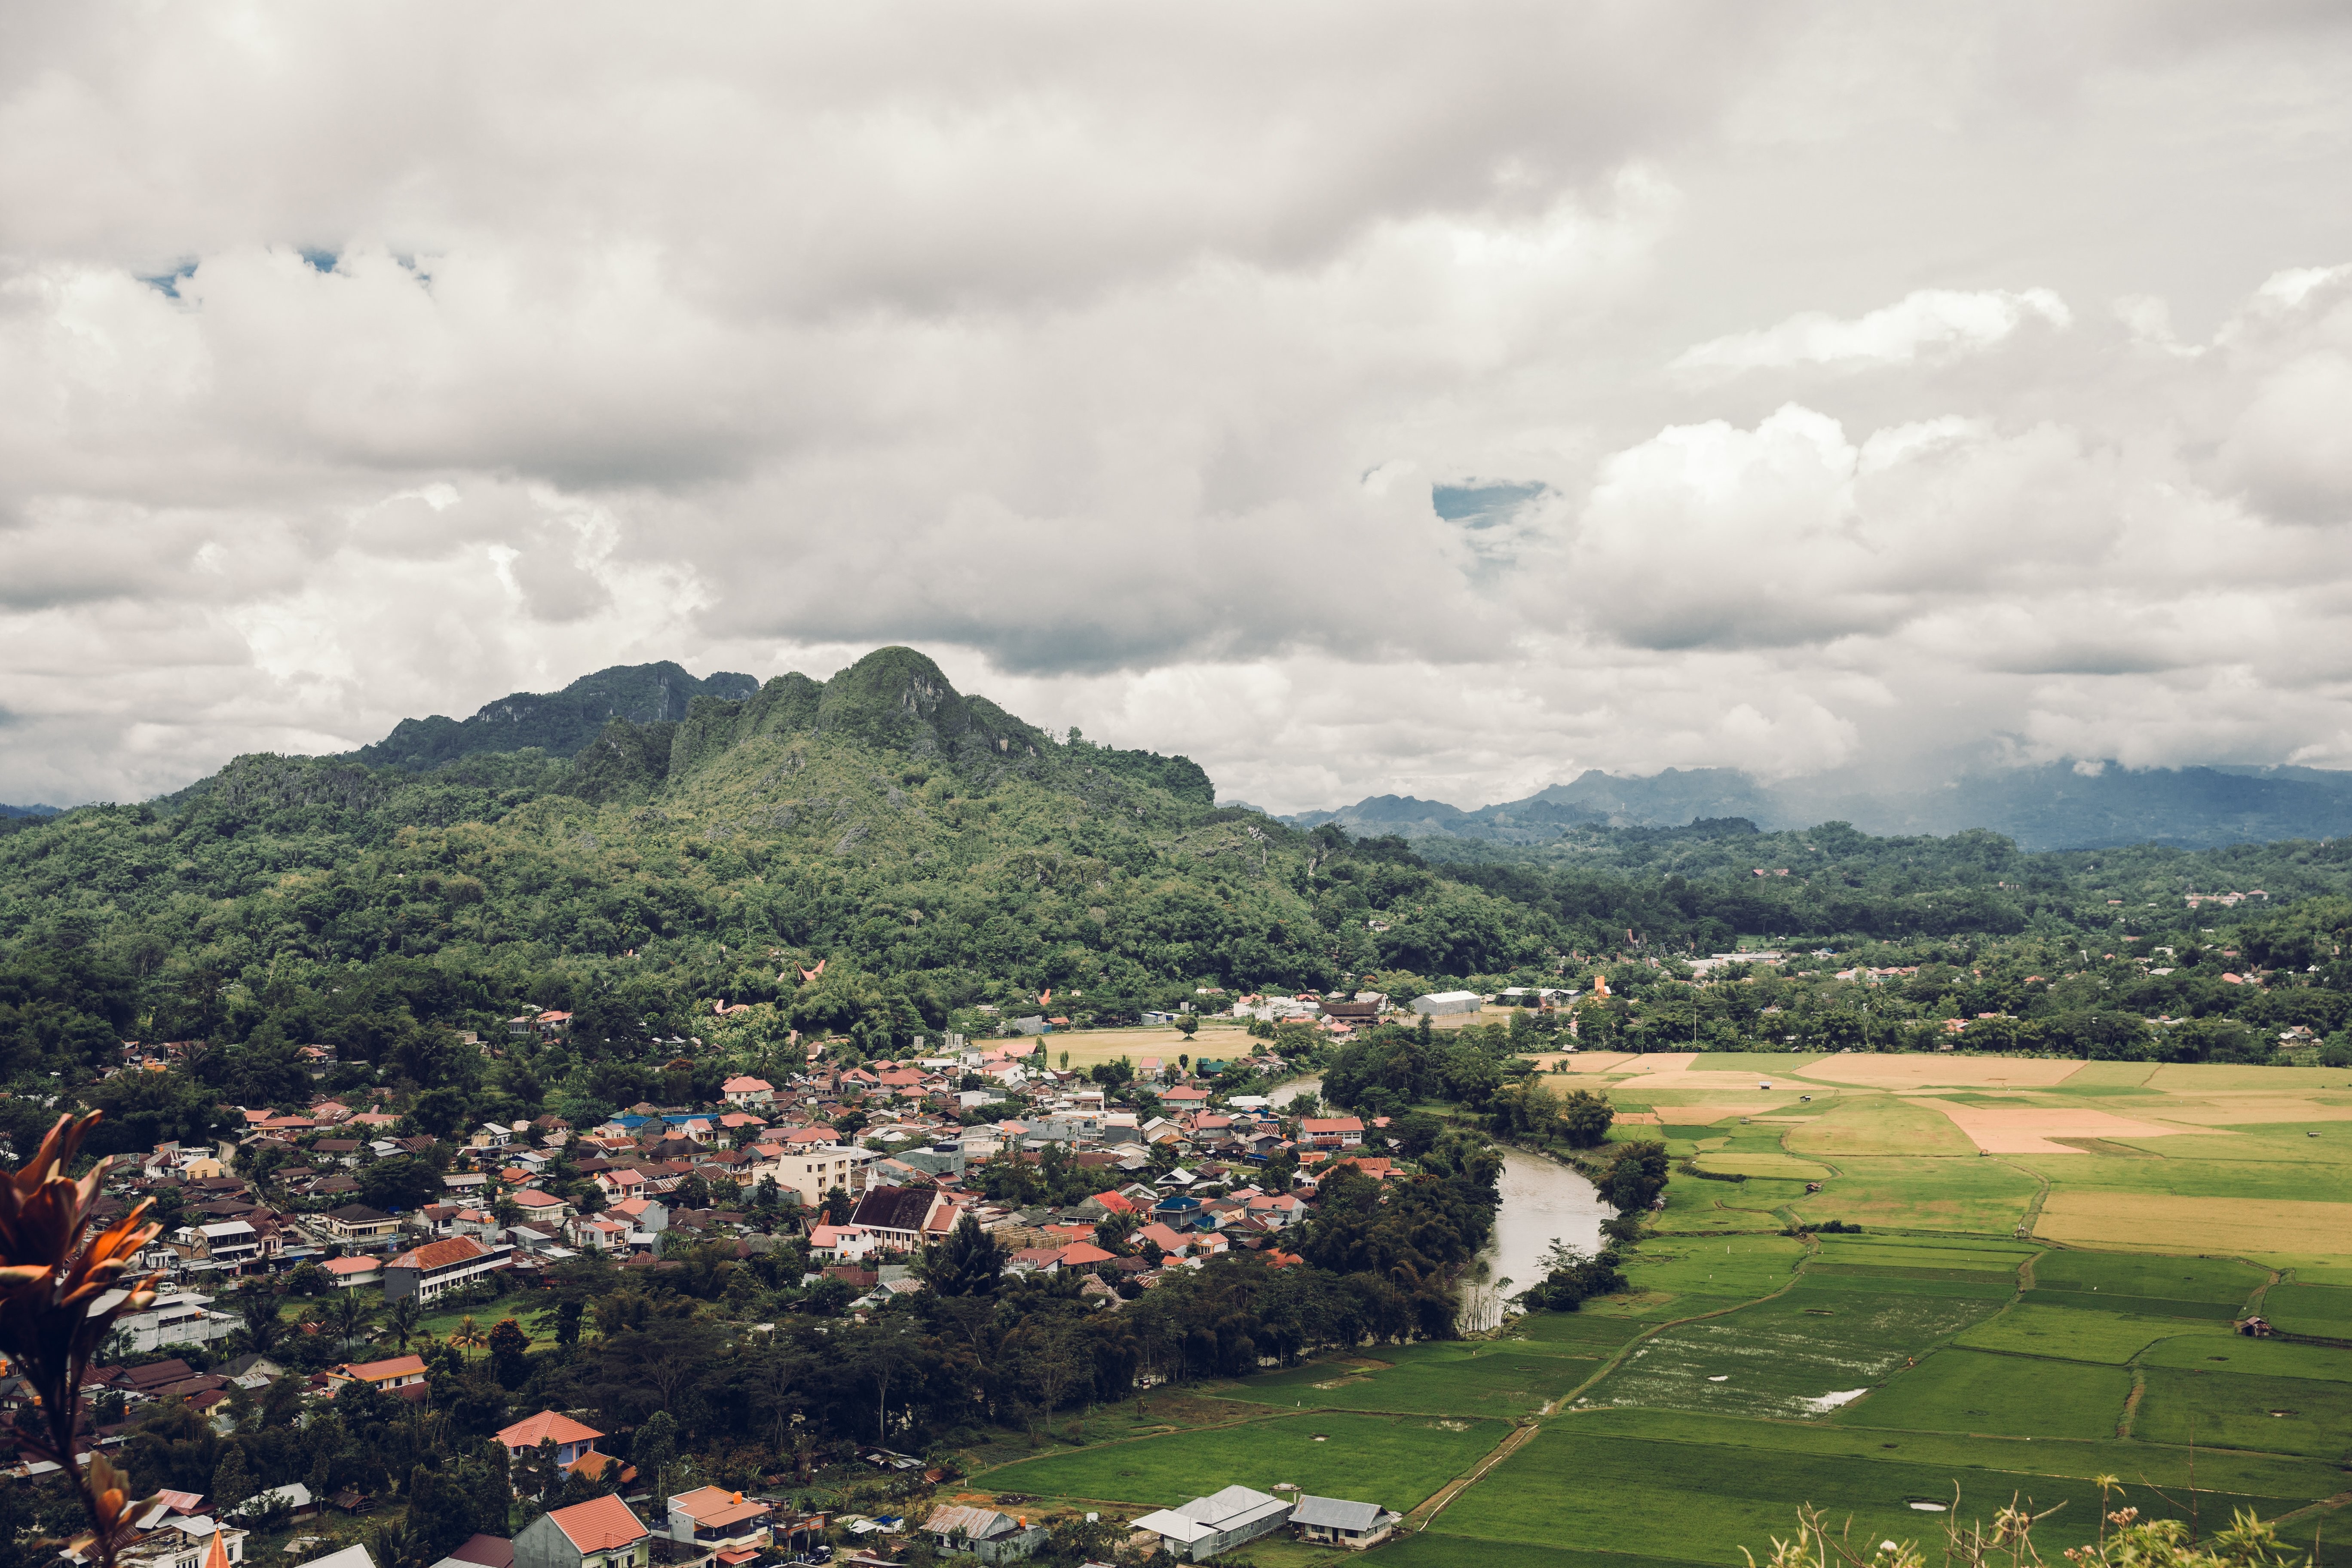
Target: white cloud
1927	325
1114	362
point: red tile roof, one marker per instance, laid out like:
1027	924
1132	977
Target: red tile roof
436	1254
598	1524
546	1427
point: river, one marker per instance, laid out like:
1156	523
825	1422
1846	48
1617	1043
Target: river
1543	1202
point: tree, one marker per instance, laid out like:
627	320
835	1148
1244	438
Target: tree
1187	1025
970	1262
510	1354
233	1480
259	1309
403	1182
400	1318
467	1335
656	1449
1586	1118
1635	1177
309	1279
349	1316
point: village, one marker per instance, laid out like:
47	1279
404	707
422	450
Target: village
855	1171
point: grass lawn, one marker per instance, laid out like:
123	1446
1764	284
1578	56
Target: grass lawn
2264	1358
1792	1358
2322	1309
1393	1461
2081	1334
1574	1334
1481	1378
2011	1396
2230	1409
1595	1491
2216	1280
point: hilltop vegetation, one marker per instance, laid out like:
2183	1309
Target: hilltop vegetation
941	855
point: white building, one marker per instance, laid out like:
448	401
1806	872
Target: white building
177	1318
1441	1003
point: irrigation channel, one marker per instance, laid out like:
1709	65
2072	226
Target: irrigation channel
1542	1203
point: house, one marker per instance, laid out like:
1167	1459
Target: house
356	1225
599	1533
818	1169
426	1271
1206	1526
898	1218
184	1541
229	1243
641	1213
620	1182
294	1496
545	1208
747	1091
1331	1131
982	1532
1335	1521
570	1438
177	1318
840	1243
716	1520
351	1273
400	1375
478	1551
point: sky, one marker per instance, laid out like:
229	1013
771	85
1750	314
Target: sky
1355	397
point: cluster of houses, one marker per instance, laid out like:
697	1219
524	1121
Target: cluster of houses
871	1162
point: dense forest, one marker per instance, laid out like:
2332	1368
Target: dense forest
942	856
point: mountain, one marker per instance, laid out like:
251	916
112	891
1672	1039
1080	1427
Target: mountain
557	723
6	811
2057	805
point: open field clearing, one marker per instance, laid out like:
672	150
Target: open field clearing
1878	1124
1796	1357
1697	1206
2287	1476
2257	1358
2328	1111
2325	1311
2081	1334
1700	1502
1748	1265
1218	1040
1788	1167
2033	1130
1921	1071
2165	1221
1505	1380
1909	1252
1575	1334
2216	1280
1395	1460
1984	1196
2133	1306
2009	1397
1433	1550
2232	1409
2205	1077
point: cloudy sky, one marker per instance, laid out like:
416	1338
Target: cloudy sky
1357	398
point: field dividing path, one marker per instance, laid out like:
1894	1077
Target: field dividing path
1434	1504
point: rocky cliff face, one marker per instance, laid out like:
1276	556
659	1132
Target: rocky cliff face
558	722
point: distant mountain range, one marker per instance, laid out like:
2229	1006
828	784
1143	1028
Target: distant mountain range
2057	806
29	810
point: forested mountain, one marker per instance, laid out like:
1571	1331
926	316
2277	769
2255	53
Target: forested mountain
934	851
558	722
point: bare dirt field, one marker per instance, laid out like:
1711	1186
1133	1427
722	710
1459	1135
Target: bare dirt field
1217	1041
2031	1129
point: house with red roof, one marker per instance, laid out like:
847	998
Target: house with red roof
1331	1131
427	1271
570	1438
401	1375
599	1533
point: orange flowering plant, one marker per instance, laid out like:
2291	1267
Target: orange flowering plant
61	1289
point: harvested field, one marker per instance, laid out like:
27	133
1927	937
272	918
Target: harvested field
2166	1222
1217	1041
2033	1128
1921	1071
2223	1110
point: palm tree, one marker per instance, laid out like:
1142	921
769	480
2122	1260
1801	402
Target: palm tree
258	1308
348	1314
467	1334
401	1319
